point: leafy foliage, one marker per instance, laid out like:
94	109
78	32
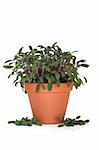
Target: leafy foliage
67	122
72	122
25	122
46	65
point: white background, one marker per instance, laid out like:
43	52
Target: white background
74	24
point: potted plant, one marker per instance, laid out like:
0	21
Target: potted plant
47	74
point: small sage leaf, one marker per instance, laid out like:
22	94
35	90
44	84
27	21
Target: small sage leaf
20	50
8	66
30	47
86	121
43	86
60	125
81	61
85	79
57	75
83	65
34	119
49	86
54	44
78	117
37	88
8	61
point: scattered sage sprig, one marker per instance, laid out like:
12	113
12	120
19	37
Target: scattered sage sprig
67	122
25	122
72	122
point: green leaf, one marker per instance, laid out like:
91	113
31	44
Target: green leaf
34	67
43	86
30	47
34	120
78	117
57	75
37	88
8	61
49	86
41	46
53	71
30	80
41	79
86	121
58	83
81	122
38	123
54	44
20	50
79	81
76	84
81	61
52	78
74	51
24	79
11	122
74	59
29	123
16	79
62	74
16	83
61	125
85	79
48	78
24	122
7	66
18	123
47	69
12	73
59	50
83	65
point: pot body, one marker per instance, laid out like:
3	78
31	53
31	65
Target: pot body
48	105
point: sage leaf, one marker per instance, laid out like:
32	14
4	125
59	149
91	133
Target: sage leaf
30	47
8	61
49	86
43	86
85	79
78	117
83	65
57	75
81	61
8	66
37	88
60	125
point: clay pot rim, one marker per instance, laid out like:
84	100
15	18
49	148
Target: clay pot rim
31	88
47	83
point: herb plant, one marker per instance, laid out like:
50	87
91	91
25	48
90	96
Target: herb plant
46	65
72	122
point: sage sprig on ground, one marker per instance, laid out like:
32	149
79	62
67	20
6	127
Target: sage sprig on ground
72	122
46	64
25	122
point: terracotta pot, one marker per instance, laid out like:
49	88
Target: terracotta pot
48	105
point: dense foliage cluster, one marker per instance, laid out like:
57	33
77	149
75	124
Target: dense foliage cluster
26	122
46	65
72	122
